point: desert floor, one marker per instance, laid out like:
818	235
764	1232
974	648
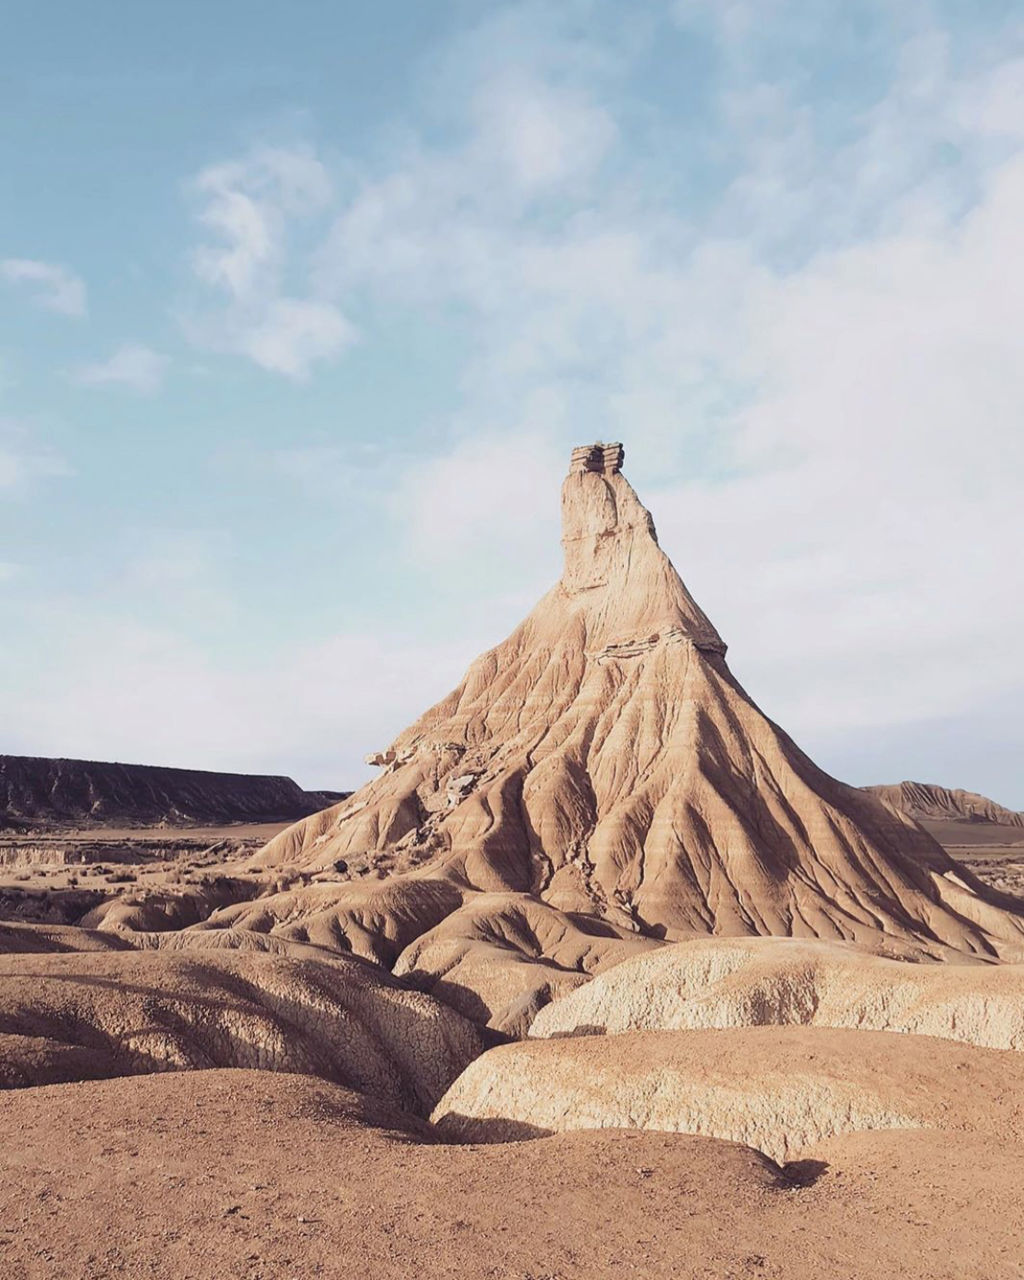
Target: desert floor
206	1174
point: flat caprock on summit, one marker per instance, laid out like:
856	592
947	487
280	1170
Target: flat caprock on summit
604	760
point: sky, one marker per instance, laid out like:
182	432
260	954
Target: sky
303	305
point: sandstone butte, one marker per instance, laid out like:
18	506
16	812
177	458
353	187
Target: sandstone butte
604	764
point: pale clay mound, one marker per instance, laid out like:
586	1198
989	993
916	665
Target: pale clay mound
375	919
725	982
778	1089
67	1016
166	907
227	940
238	1173
604	760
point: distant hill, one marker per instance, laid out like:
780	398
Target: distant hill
35	790
928	802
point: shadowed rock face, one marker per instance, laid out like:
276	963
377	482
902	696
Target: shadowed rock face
604	760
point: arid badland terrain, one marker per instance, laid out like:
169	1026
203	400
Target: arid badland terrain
599	976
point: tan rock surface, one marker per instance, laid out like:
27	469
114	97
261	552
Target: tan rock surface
778	1089
167	907
227	940
238	1173
727	982
137	1012
604	759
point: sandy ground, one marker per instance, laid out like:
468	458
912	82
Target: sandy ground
274	1177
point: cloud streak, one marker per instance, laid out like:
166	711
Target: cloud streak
136	367
51	286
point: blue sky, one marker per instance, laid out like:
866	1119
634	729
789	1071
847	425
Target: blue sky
302	307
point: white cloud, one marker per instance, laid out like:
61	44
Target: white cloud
445	223
247	204
486	507
862	554
993	105
537	136
253	206
117	689
293	334
54	287
133	366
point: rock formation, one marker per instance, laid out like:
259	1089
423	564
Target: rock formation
502	957
604	760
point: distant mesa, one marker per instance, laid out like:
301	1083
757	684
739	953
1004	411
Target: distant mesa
36	790
924	801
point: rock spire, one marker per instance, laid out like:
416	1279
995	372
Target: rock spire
604	762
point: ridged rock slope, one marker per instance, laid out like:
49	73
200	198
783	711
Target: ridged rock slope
502	957
88	1016
36	790
604	760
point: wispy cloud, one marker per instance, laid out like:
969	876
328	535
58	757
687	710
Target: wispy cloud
251	207
51	286
23	460
136	367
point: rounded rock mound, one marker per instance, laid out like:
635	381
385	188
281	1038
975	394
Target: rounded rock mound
777	1089
749	982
